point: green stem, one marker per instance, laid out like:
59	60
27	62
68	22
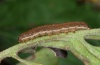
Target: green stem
74	42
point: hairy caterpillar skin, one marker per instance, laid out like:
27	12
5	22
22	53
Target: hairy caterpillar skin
51	30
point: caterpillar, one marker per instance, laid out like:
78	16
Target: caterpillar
51	30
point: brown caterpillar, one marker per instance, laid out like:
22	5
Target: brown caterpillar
52	29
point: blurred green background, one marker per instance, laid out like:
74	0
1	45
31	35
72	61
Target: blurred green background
17	16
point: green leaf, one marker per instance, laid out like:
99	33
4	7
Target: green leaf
74	42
